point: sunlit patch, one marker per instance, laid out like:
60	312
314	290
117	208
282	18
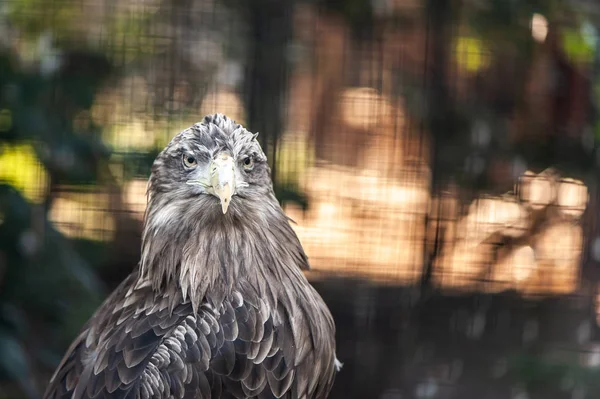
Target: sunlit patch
84	215
561	245
134	196
361	223
487	215
539	28
21	168
363	107
572	197
523	262
131	136
537	190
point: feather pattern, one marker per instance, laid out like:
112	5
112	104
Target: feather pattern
218	306
191	352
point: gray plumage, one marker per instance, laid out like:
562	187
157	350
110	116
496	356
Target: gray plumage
218	306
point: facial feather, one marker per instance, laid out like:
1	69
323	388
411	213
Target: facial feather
188	240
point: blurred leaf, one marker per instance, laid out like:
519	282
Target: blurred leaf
577	46
134	164
5	120
294	157
134	26
20	166
471	54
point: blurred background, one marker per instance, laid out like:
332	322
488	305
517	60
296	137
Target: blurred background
441	159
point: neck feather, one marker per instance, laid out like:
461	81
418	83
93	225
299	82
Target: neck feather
194	248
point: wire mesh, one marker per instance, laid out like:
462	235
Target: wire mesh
439	161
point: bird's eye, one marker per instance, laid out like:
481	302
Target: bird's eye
189	161
248	163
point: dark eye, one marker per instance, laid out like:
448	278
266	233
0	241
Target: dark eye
189	161
248	163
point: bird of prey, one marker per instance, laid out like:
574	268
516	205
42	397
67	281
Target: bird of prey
218	306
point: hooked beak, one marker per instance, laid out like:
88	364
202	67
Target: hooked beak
222	178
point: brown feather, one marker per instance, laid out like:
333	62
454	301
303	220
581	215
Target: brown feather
218	306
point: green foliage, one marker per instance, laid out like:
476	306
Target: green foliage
47	288
536	373
495	36
42	109
136	164
579	46
32	17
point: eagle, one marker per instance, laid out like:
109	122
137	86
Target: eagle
218	305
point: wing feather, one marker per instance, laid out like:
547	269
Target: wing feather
244	347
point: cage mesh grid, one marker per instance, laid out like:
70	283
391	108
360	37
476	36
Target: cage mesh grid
351	145
365	166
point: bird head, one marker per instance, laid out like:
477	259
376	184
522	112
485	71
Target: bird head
213	163
212	216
